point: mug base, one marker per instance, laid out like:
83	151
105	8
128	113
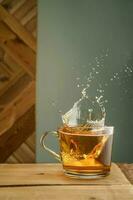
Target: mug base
78	175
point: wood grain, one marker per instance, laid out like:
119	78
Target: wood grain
25	153
14	5
31	14
13	75
127	170
52	174
17	71
22	54
17	28
69	192
25	9
5	33
31	142
17	134
21	102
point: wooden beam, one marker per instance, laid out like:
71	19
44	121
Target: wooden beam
31	14
1	54
12	6
24	154
15	90
17	134
18	100
22	54
17	28
34	33
12	159
25	100
4	78
13	78
31	25
31	142
24	9
5	33
7	118
12	65
21	103
8	69
5	2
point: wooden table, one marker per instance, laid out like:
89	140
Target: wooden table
47	181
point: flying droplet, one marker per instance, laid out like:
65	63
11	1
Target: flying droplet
53	103
100	91
77	78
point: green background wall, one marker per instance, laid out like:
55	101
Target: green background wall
71	33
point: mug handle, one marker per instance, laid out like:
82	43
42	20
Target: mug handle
42	142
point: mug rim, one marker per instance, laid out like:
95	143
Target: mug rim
110	128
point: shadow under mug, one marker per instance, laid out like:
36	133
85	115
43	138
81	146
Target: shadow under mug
85	155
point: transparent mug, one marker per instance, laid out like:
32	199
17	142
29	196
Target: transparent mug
83	154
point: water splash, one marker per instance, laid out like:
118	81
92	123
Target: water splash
88	111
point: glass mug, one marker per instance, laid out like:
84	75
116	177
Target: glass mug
83	153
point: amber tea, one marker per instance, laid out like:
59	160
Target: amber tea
86	151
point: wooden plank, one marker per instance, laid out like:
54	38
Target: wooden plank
31	14
4	76
17	28
7	68
5	33
22	54
69	192
12	159
16	90
34	33
52	174
1	1
12	5
25	9
7	119
25	100
24	154
12	77
1	53
127	170
17	134
22	102
5	79
31	142
10	127
12	64
31	25
5	2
